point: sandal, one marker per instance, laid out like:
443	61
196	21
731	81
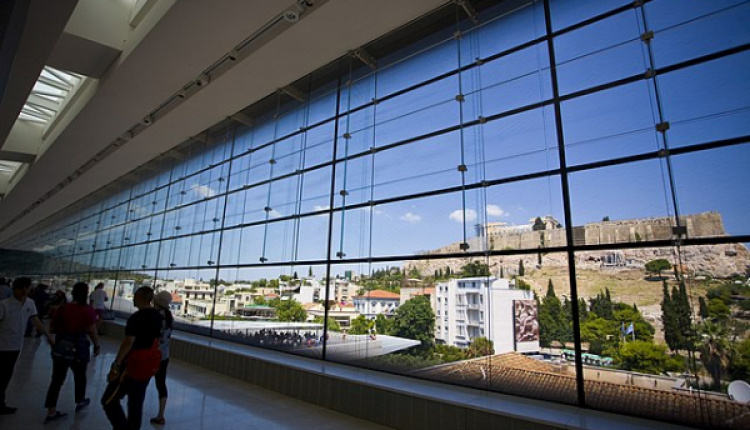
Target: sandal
158	421
55	417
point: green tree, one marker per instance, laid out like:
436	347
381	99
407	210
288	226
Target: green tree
552	322
289	310
416	320
601	305
448	353
715	351
521	270
480	347
475	268
703	307
383	325
259	300
718	310
605	218
361	325
309	272
670	320
645	357
739	363
333	325
521	285
658	265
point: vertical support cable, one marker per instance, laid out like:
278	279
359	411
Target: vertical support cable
230	134
566	206
331	201
679	228
164	221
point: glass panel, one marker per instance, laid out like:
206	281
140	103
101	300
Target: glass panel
608	203
710	101
618	122
712	191
686	30
568	12
273	307
602	52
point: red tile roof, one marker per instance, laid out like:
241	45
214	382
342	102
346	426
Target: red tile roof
514	374
379	294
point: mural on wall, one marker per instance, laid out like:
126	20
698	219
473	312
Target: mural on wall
526	321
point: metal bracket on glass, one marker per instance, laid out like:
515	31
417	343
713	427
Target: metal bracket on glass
478	61
482	120
210	262
462	168
365	57
347	135
272	161
679	232
662	126
464	246
460	98
647	36
293	93
343	193
340	254
263	259
469	9
649	73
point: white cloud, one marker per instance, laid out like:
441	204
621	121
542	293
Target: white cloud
495	210
274	214
410	217
321	208
458	216
204	191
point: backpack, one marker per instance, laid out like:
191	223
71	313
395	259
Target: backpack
142	364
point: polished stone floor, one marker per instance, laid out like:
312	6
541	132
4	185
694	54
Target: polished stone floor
198	399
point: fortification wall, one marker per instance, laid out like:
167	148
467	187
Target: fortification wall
721	260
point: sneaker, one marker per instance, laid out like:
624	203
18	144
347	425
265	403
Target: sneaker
57	416
7	410
82	404
158	421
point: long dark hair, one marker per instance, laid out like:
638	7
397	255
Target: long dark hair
80	293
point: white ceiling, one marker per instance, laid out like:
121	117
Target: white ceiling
189	36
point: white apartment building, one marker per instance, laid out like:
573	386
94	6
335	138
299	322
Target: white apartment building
468	308
376	302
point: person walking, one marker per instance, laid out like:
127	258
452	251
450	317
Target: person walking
71	324
98	298
142	334
161	303
15	311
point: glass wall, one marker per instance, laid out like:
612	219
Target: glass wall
547	202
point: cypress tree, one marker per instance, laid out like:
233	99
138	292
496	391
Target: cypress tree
703	307
668	319
521	270
684	316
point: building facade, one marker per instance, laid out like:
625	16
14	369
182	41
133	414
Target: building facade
470	308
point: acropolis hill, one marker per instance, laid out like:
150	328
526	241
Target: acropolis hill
716	260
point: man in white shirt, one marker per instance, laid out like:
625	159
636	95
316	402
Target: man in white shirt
97	299
15	312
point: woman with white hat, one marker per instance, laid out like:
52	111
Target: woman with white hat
161	303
